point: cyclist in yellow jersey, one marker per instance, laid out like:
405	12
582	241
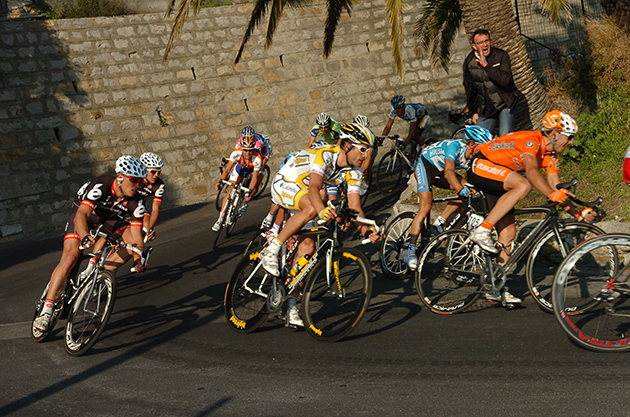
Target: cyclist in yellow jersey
297	188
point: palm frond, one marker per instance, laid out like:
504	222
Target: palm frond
395	16
335	7
274	19
180	19
558	10
257	14
437	28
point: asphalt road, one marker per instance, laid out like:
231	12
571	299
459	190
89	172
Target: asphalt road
167	350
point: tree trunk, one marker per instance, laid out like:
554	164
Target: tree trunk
497	17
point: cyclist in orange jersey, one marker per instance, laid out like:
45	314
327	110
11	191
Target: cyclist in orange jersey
507	168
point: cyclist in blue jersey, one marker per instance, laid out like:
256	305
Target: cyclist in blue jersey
415	113
437	166
325	132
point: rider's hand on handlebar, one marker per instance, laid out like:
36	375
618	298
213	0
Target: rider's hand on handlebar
327	214
217	185
87	241
560	196
138	266
587	215
372	235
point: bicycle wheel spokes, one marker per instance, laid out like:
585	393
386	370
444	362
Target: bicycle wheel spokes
394	246
449	271
548	254
591	295
90	313
334	303
389	172
246	295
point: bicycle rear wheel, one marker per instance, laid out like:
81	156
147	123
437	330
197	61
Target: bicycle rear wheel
246	295
334	304
394	246
459	134
591	294
389	173
548	254
448	279
90	312
263	181
223	189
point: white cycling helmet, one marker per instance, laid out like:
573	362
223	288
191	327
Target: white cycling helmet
322	120
131	166
151	160
362	120
558	120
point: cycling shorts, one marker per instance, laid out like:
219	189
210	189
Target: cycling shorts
423	123
488	176
428	175
114	225
287	194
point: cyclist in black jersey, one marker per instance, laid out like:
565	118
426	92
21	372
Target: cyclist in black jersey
106	200
153	187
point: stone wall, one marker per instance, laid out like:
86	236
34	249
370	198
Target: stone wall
76	94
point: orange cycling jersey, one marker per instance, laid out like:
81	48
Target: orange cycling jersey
254	163
508	151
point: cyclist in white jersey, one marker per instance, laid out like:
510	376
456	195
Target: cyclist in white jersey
297	187
415	113
437	167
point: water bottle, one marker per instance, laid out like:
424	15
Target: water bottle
300	264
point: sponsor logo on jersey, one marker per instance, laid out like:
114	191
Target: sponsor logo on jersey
502	145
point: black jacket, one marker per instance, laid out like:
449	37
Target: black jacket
489	89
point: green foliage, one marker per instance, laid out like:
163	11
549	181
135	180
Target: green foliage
215	3
92	8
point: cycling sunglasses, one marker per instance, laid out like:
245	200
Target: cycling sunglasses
133	180
570	137
155	171
361	148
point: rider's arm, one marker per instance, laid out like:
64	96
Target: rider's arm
155	212
310	141
451	177
80	220
534	176
137	240
253	184
226	172
388	127
316	181
354	202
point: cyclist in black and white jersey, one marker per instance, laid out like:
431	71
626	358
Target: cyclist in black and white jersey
153	187
106	200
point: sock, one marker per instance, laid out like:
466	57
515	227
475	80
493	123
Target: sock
48	306
269	217
439	221
275	228
486	225
411	249
274	246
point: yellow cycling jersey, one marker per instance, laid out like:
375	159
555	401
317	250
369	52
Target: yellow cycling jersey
322	161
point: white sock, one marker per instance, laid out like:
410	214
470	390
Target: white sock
48	307
439	221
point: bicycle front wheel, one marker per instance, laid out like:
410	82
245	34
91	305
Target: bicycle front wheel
389	173
591	294
246	295
394	246
450	267
90	312
548	254
223	189
459	134
336	298
232	215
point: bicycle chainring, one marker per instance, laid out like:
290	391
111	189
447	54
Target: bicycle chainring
275	301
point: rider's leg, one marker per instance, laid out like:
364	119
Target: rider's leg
506	227
426	201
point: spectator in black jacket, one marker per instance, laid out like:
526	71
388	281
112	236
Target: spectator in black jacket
490	89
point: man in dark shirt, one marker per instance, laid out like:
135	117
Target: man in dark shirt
490	88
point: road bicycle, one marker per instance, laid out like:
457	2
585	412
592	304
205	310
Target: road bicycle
336	292
232	209
87	300
456	118
591	294
392	165
453	271
398	234
263	180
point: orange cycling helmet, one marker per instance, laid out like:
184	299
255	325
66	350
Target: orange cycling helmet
248	143
558	120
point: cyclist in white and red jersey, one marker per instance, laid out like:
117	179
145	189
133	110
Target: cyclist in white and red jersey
414	113
262	145
297	187
246	162
153	187
106	200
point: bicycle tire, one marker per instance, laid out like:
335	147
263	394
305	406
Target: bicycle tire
220	195
389	173
245	310
593	310
232	214
450	267
394	246
547	255
60	310
331	312
88	317
459	134
257	243
262	183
